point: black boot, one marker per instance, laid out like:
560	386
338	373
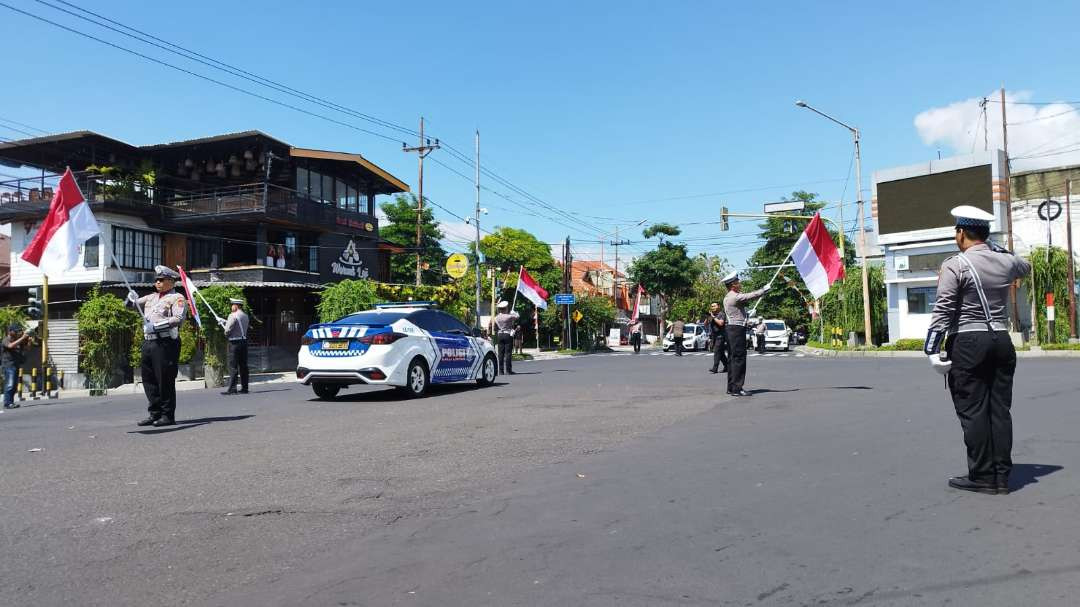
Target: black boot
148	421
164	420
964	483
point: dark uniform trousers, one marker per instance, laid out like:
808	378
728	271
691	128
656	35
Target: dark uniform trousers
736	338
506	350
635	340
158	367
981	381
720	350
238	364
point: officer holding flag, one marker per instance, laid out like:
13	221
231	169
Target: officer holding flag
978	358
163	313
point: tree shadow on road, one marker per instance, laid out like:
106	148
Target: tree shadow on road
184	424
1028	474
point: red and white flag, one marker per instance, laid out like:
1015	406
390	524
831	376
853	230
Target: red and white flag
69	224
190	288
531	289
817	259
637	304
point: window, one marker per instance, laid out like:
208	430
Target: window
302	181
204	253
313	259
353	200
428	320
920	300
451	324
136	249
91	254
342	195
929	262
327	190
315	186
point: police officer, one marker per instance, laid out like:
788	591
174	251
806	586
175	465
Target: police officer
236	331
163	312
505	327
718	330
735	310
979	358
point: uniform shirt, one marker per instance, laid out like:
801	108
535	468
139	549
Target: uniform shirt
236	327
505	322
677	328
958	306
635	327
714	328
164	307
735	306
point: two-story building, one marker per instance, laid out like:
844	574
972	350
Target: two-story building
244	209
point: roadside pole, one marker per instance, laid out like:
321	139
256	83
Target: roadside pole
44	325
1072	262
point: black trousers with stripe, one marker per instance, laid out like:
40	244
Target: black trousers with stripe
981	382
736	338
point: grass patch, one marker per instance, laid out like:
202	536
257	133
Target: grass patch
1061	346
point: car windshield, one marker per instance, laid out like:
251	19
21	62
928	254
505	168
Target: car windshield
775	326
372	318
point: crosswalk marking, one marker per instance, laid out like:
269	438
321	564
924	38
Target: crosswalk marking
748	354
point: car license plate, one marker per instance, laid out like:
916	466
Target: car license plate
338	344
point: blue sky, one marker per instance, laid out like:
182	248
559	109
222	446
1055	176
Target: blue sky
596	108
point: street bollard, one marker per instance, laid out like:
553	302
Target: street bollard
19	384
33	383
48	383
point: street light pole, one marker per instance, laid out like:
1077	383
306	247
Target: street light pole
862	216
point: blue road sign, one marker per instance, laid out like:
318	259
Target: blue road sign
565	299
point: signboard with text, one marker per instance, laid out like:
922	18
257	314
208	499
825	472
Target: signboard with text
346	257
565	299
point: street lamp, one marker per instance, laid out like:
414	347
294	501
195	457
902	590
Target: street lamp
862	215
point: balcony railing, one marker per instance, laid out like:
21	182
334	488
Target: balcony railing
32	195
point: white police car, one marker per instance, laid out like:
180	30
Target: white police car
407	345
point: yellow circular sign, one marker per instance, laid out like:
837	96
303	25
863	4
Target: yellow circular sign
457	265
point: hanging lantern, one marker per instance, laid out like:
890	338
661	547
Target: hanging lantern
189	163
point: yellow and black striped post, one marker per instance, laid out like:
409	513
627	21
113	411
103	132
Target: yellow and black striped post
19	383
33	383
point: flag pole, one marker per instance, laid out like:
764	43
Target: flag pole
209	307
753	311
123	274
517	288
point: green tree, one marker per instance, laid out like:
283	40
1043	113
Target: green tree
109	333
707	288
1055	275
785	300
665	271
346	297
842	306
597	313
400	229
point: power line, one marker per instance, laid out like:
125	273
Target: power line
22	124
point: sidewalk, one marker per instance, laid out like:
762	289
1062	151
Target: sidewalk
1035	352
554	355
181	386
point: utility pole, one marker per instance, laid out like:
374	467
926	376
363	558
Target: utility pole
1015	316
422	150
615	275
1072	262
568	260
862	241
478	229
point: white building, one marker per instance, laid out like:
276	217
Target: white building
916	232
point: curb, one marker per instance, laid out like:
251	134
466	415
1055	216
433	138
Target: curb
181	386
1033	353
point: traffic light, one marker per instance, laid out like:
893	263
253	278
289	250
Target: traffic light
723	219
33	303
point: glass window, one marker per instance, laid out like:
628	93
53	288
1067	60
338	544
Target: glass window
313	259
327	189
315	186
91	254
302	181
352	199
137	249
452	324
342	195
920	300
378	318
427	320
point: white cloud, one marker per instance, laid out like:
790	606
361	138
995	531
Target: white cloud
457	235
1040	136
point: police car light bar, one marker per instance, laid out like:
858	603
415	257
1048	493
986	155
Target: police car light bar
406	304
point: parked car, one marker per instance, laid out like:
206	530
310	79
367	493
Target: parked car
407	345
694	338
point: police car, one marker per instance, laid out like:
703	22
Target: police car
406	345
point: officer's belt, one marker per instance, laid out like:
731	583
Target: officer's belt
155	336
982	326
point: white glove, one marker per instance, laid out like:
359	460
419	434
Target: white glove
221	322
941	366
132	297
767	287
148	327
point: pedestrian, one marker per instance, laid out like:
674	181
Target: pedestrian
12	357
163	313
505	328
519	342
718	331
735	311
979	361
635	335
677	329
236	331
759	336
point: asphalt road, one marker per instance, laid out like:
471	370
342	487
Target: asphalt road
614	480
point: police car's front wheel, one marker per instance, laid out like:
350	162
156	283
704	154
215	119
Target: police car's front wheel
416	379
487	371
326	391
